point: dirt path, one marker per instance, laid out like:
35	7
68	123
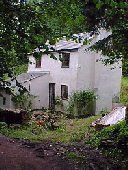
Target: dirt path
24	155
15	156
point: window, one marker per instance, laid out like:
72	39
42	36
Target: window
64	92
4	100
65	60
29	87
38	63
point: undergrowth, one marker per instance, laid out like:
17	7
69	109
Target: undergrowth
69	131
124	91
113	141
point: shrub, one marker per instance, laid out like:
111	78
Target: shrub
23	101
125	67
115	133
113	142
124	91
81	103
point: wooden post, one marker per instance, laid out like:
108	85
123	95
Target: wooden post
126	115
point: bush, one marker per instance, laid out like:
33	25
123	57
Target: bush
23	101
115	133
81	103
124	91
125	67
113	141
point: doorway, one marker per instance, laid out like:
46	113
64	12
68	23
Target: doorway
52	95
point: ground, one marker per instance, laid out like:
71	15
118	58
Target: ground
22	154
14	155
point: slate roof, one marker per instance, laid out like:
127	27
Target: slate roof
24	77
75	43
66	45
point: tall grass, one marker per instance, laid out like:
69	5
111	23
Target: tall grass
124	91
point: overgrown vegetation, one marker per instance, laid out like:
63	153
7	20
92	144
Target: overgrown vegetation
70	130
113	141
81	103
20	69
124	91
23	100
125	67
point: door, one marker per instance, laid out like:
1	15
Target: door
51	95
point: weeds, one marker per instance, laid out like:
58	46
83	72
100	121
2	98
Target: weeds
69	131
124	91
82	103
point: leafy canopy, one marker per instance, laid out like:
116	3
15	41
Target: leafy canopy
26	26
111	15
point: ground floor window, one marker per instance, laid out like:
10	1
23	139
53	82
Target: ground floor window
64	92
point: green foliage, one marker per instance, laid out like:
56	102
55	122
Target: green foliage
125	67
112	16
26	26
65	133
18	24
63	17
124	91
58	101
80	103
20	69
75	156
113	141
115	132
23	101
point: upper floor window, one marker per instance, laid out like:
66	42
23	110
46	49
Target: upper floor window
38	63
65	60
64	92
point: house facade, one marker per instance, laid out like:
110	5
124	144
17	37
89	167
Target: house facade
79	70
74	68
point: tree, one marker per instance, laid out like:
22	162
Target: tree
26	26
18	27
110	15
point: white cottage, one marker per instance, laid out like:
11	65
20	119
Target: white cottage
79	70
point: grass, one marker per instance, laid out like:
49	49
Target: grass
113	142
124	91
75	156
69	131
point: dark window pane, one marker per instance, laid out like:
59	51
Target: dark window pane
65	60
38	63
64	92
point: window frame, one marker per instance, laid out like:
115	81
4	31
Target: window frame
66	90
38	63
62	64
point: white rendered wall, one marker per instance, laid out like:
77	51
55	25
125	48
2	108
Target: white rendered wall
83	73
86	64
8	102
39	87
59	76
104	80
107	84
